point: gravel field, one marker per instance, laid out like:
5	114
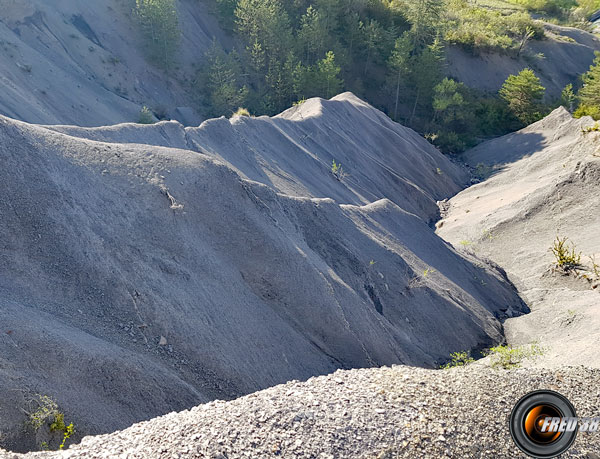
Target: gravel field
385	412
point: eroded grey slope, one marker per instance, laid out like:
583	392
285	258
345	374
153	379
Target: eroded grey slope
545	183
82	62
109	246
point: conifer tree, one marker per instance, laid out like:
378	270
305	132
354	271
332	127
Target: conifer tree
523	93
159	23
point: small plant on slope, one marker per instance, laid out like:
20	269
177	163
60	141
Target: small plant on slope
48	413
458	359
146	116
242	112
593	128
337	170
566	258
508	357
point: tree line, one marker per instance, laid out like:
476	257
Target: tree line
389	52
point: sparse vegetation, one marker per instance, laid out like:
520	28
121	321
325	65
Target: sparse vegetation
595	266
481	29
566	257
47	413
428	271
593	128
508	357
337	171
458	359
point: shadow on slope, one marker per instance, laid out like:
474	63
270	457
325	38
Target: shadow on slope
163	265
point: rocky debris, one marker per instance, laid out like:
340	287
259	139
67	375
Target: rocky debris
385	413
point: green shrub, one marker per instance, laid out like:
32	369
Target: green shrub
47	409
146	116
508	357
587	110
566	258
47	413
337	171
458	359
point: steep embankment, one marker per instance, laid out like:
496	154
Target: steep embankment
137	279
82	62
557	60
544	183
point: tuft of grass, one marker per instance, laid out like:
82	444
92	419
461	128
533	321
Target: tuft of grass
428	271
595	266
458	359
566	258
593	128
299	102
241	111
508	357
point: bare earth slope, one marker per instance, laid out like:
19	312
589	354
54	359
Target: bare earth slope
137	279
546	183
557	60
82	62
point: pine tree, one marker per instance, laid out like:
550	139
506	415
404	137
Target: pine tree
426	74
159	23
524	94
424	17
373	36
399	65
221	81
327	73
312	36
265	22
448	100
589	94
567	98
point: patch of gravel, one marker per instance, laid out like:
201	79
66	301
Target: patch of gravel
386	412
